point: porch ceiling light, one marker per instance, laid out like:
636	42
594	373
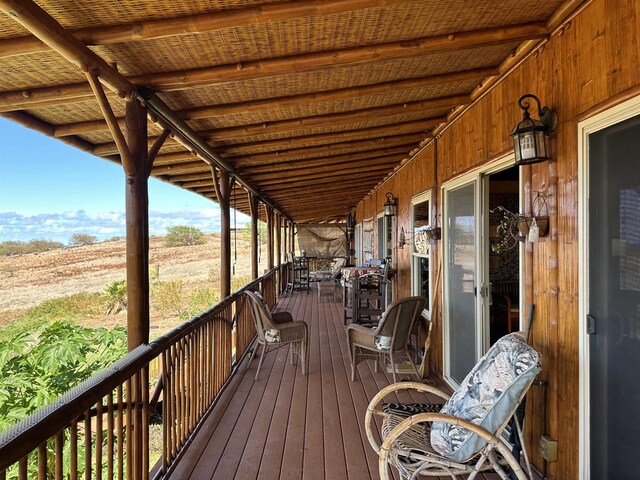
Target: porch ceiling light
391	205
530	137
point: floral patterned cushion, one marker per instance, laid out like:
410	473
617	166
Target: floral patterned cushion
487	396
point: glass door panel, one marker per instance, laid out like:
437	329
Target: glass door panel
460	280
614	301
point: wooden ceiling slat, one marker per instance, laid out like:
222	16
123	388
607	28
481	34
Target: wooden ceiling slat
268	104
196	24
342	118
413	126
392	140
207	76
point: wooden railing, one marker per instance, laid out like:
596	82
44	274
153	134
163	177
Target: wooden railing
100	428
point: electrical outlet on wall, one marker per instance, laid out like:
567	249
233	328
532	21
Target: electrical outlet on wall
549	449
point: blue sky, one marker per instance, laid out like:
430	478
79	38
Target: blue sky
49	190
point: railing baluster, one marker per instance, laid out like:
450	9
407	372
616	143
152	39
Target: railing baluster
120	432
59	456
73	450
110	436
42	461
99	439
129	430
23	468
87	445
144	386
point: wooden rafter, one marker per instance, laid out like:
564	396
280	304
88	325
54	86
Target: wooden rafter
268	104
207	76
343	118
195	24
322	150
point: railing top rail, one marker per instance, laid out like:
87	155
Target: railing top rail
26	435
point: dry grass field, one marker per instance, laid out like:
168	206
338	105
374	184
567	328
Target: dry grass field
28	280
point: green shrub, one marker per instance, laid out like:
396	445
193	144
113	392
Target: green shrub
115	296
79	239
32	246
169	297
200	300
181	236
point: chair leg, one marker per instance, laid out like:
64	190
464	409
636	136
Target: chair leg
413	365
253	352
393	367
291	353
264	350
305	352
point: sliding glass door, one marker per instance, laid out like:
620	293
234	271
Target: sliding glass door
460	279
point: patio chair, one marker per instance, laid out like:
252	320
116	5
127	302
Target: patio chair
465	437
277	330
388	338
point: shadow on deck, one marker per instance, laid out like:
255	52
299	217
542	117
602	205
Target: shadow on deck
290	426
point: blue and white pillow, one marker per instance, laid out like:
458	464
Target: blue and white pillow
486	396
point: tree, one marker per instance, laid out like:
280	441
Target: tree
182	236
79	239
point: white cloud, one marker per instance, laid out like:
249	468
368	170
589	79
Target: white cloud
104	225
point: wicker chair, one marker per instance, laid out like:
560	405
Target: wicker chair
277	330
465	437
389	337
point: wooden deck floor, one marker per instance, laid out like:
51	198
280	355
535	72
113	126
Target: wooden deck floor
290	426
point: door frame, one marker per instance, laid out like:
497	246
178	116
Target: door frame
478	176
612	116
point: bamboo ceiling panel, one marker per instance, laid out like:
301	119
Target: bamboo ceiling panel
270	83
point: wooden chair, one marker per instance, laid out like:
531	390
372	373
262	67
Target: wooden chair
465	437
277	330
389	338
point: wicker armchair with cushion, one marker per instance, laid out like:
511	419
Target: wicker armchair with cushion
464	438
388	338
277	330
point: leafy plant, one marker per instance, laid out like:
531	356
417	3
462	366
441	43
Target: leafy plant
79	239
182	236
12	247
115	295
36	368
168	296
200	300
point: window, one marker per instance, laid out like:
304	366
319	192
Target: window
421	248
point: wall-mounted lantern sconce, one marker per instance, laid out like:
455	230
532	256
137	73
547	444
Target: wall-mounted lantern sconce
391	205
530	137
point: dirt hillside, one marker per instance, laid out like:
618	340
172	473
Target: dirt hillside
27	280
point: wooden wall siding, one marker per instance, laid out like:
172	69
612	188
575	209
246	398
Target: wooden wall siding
595	58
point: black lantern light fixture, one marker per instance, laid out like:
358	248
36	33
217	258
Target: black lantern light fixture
391	205
530	137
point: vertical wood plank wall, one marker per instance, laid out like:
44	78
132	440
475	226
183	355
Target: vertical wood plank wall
595	58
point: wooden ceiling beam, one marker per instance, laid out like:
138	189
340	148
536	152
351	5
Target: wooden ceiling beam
348	181
414	126
196	24
268	104
342	118
325	167
274	167
219	74
335	174
325	149
46	29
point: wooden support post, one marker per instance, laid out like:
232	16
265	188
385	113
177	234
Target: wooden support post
285	236
137	224
293	238
253	206
223	183
269	238
278	239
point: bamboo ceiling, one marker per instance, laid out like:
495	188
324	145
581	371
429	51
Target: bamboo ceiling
312	103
